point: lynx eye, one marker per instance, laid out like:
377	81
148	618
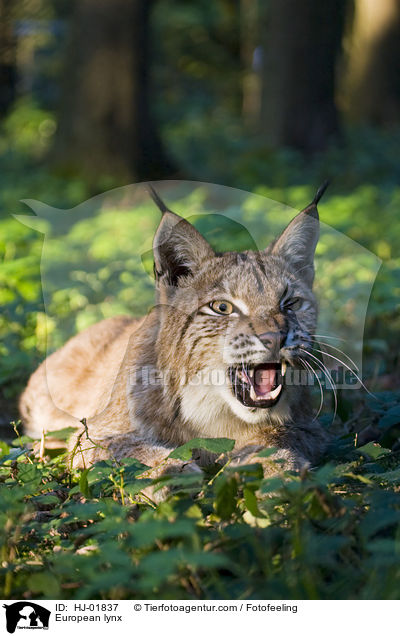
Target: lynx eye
222	307
293	304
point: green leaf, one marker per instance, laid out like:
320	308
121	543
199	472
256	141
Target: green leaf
22	440
390	418
134	487
375	521
373	450
84	512
156	568
132	468
251	502
226	496
62	434
44	583
250	470
100	471
270	485
188	480
391	476
358	477
4	449
215	445
13	454
267	452
30	474
84	484
327	473
48	500
145	533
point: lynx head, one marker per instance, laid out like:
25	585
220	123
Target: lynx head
232	324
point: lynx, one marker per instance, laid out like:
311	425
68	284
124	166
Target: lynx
212	359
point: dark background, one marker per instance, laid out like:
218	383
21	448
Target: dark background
145	89
271	97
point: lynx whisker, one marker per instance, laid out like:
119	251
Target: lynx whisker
321	335
325	344
325	370
349	368
245	373
300	269
321	403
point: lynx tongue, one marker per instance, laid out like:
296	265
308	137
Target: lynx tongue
264	381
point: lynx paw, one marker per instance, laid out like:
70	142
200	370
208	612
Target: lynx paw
282	459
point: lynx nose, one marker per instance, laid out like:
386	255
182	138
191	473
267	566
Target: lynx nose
273	340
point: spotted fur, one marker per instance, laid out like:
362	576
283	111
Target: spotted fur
145	387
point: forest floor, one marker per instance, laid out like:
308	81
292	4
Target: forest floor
331	532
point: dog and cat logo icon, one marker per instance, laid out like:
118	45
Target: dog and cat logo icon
26	615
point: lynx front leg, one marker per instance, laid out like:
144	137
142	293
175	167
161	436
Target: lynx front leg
282	459
86	450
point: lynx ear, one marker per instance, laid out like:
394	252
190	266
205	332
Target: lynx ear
178	248
298	241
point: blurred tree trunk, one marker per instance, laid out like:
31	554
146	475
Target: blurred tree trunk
8	67
372	86
300	42
105	125
249	52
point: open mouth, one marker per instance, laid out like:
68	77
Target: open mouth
258	386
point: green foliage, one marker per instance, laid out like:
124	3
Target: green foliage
212	445
98	276
330	533
106	268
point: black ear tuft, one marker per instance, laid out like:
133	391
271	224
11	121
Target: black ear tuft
311	209
157	199
298	241
320	192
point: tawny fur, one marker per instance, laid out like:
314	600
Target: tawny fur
143	385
